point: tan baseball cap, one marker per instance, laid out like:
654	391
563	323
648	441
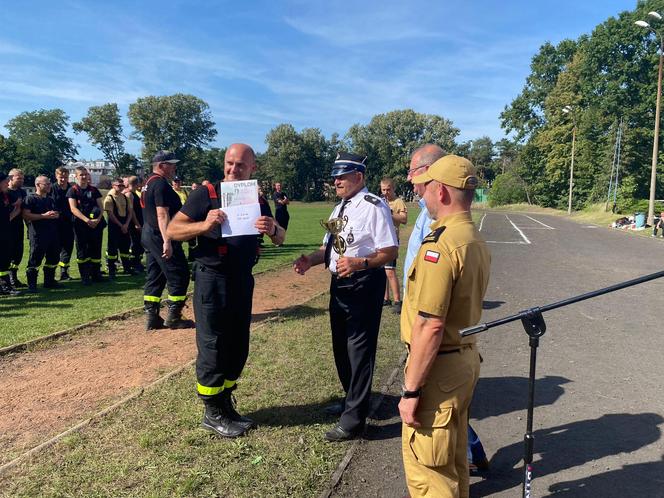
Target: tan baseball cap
451	170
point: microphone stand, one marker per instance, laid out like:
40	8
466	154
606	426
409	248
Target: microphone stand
535	327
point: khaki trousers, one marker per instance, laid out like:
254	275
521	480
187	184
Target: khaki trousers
435	455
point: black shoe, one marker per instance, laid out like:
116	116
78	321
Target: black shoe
152	319
64	274
217	422
174	318
339	434
396	307
335	409
227	406
13	279
387	302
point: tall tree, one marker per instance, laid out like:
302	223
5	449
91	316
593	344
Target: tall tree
7	154
104	130
180	123
41	140
389	139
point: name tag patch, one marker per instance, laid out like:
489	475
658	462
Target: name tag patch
431	256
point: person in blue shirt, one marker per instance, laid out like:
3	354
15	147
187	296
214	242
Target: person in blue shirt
421	159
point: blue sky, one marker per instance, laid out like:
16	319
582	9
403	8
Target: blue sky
258	64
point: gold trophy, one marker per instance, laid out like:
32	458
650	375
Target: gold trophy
334	227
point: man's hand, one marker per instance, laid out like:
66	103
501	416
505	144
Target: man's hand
407	409
125	228
346	266
214	218
167	250
91	222
51	215
265	224
301	264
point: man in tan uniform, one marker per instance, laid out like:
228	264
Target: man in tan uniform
445	288
399	217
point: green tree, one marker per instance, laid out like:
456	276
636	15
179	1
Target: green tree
180	123
7	154
104	130
389	139
41	141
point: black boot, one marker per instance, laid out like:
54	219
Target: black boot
84	270
215	421
227	405
95	273
13	279
128	268
6	288
31	275
174	319
49	279
153	320
64	273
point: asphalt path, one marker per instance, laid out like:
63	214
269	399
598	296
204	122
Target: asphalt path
599	401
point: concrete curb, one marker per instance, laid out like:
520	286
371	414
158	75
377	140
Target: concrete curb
341	468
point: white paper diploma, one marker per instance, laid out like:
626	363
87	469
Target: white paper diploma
239	200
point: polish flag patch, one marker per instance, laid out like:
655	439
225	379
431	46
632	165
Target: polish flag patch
431	256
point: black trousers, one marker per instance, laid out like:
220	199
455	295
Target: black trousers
66	238
118	244
88	242
16	237
282	217
136	248
44	245
5	259
356	305
161	272
222	305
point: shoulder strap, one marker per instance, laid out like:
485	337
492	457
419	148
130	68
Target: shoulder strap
214	198
145	187
434	236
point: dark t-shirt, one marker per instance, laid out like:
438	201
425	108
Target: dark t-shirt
278	196
6	208
228	255
136	204
159	193
40	205
61	203
86	200
14	195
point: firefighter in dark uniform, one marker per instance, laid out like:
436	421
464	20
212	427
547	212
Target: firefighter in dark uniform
446	284
135	227
17	195
367	241
86	209
40	212
118	210
8	212
223	292
167	264
65	222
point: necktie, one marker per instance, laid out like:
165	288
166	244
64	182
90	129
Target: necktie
330	239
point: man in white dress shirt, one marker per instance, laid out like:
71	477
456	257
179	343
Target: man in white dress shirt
367	241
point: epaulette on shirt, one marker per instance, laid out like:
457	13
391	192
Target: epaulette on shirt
373	199
433	236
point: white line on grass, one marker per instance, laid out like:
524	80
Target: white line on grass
481	223
518	230
547	226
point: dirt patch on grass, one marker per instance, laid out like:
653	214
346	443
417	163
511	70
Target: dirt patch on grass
44	392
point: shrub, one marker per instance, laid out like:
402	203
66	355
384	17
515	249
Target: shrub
507	188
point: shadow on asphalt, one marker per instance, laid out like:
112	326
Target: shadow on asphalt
500	395
578	443
645	478
492	305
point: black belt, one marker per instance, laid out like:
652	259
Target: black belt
356	274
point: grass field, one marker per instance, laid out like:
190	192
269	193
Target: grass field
154	447
28	316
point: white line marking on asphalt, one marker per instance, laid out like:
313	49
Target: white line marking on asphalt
518	230
481	223
538	221
519	242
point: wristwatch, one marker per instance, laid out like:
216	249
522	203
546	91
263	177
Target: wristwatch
410	394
